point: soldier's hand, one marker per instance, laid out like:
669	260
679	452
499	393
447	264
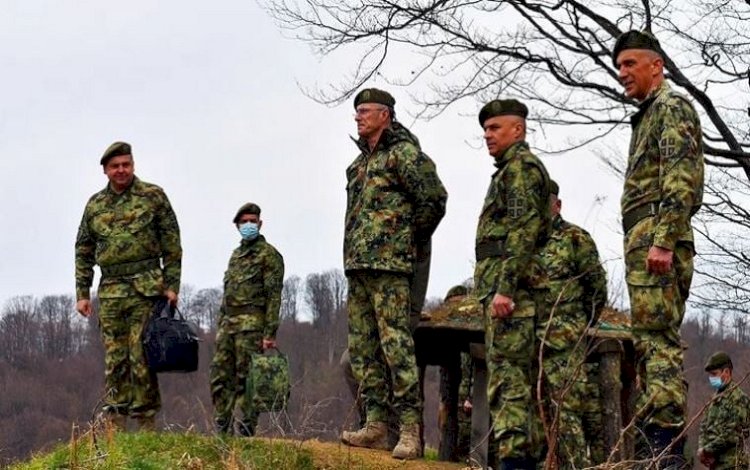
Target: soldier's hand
502	306
171	297
83	307
467	406
268	343
659	260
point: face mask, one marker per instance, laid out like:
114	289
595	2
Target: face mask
249	231
715	382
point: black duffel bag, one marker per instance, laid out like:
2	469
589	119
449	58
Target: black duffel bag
170	342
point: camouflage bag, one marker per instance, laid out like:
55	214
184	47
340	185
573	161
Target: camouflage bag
268	386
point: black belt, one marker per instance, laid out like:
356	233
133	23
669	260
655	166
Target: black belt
128	269
633	216
489	249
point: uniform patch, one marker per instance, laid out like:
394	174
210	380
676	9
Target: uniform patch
516	206
667	146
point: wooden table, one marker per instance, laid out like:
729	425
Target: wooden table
440	341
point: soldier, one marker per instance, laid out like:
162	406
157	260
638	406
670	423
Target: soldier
513	226
394	200
663	189
577	292
725	428
130	230
248	320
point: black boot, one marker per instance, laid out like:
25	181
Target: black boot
246	428
659	439
224	427
517	463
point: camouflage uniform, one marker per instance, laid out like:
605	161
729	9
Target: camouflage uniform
592	412
512	227
725	428
134	238
465	391
577	291
249	313
663	188
394	200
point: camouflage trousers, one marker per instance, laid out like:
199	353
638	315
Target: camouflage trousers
657	306
591	414
131	388
229	370
563	391
381	345
510	350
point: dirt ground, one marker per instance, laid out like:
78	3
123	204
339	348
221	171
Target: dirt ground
336	455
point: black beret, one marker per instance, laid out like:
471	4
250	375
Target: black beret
456	291
554	188
248	208
635	40
718	360
115	150
373	95
502	108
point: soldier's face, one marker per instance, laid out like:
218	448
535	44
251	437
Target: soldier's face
245	218
500	132
119	171
371	119
639	72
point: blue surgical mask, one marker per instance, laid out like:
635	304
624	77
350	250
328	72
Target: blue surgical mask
249	231
716	382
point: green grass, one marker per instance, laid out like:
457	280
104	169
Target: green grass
152	451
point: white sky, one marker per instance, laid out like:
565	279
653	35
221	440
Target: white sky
208	94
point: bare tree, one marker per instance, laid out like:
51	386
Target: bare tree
205	305
289	298
56	316
556	55
325	294
19	331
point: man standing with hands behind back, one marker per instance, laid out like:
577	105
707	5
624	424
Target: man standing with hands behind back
130	230
663	189
395	200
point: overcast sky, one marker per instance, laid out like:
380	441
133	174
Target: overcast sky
208	94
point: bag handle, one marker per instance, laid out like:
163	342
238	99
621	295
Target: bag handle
167	310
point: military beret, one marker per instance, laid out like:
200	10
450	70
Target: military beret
115	150
456	291
248	208
635	40
718	360
373	95
554	188
502	108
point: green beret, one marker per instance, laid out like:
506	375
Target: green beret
554	188
718	360
635	40
248	208
456	291
502	108
373	95
115	150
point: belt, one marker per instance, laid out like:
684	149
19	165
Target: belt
633	216
133	267
489	249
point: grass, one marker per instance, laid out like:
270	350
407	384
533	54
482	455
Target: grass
151	451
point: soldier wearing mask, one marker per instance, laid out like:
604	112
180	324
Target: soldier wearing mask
248	320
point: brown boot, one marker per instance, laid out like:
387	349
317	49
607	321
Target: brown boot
409	444
373	435
145	423
114	421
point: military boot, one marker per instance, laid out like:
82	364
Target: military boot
145	423
224	426
116	421
409	445
374	435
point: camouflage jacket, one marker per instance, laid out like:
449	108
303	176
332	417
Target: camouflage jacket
135	228
725	428
665	167
252	288
394	201
515	213
576	280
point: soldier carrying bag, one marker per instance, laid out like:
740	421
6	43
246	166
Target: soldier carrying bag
170	342
268	386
